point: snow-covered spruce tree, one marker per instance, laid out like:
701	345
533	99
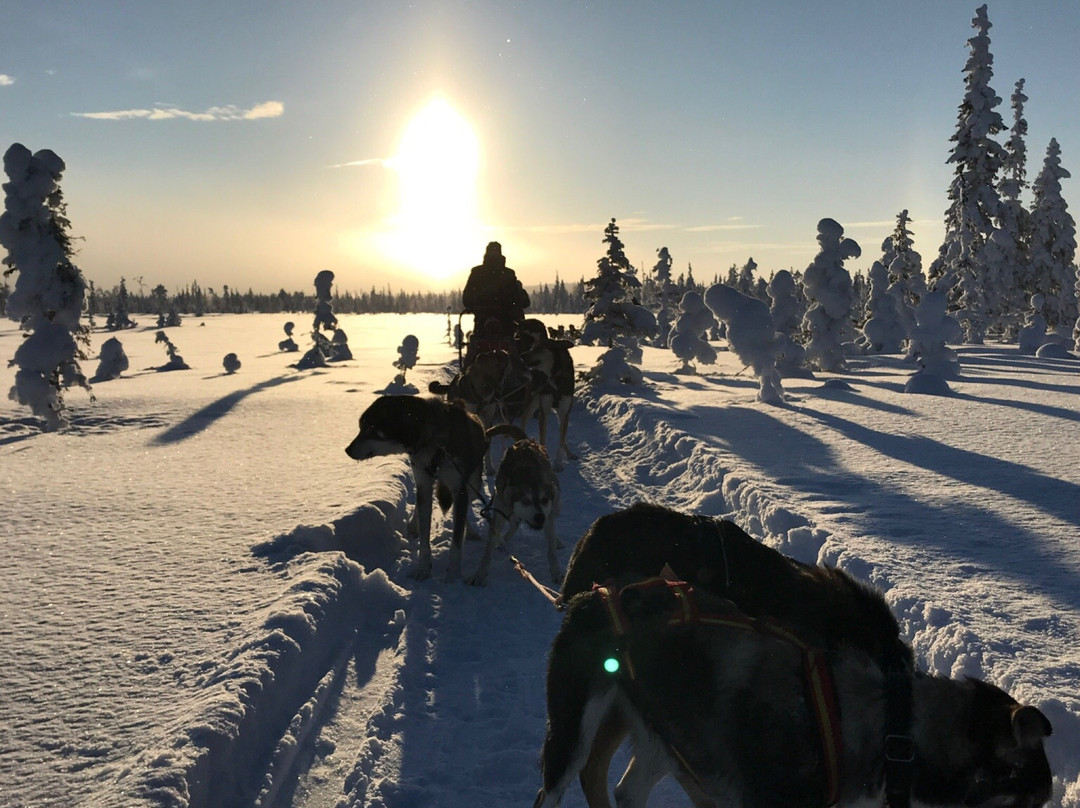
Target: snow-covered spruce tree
615	318
1033	335
827	285
231	363
747	283
407	359
929	346
962	268
883	332
751	334
908	283
49	289
1011	240
176	361
666	294
288	344
112	361
787	307
1053	245
323	349
120	318
688	341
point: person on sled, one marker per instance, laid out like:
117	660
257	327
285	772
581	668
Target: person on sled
496	299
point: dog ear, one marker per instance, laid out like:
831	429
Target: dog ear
1030	726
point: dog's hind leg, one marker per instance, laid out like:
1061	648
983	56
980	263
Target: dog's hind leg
563	411
594	775
567	745
461	510
422	514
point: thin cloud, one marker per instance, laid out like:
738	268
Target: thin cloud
6	80
712	228
371	161
268	109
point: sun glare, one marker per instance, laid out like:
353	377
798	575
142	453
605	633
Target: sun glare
437	231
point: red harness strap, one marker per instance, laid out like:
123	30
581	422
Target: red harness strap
821	692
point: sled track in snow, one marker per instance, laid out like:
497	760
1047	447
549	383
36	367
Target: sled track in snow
256	738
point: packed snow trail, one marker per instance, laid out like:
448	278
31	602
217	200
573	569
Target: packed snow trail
472	660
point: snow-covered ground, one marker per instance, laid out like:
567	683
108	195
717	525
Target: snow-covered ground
164	643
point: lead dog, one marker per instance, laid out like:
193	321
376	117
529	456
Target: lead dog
724	707
526	490
446	448
826	606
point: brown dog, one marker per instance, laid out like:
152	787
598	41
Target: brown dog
446	448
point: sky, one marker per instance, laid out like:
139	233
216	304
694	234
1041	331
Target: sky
255	144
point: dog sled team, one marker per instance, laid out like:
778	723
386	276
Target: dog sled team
755	681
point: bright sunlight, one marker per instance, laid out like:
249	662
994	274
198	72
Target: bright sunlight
437	230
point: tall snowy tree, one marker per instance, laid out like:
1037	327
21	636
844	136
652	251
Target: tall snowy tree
829	291
1053	245
961	267
49	290
615	318
1014	226
666	296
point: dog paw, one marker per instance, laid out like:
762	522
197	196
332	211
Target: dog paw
420	572
477	580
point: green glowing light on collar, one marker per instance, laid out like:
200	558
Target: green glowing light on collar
611	665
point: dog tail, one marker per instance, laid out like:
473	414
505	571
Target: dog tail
438	388
512	430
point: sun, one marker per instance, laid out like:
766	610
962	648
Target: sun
437	229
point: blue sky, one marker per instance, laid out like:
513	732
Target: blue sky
257	143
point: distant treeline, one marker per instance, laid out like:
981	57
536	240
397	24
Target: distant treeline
556	298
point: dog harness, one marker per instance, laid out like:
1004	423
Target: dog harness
820	690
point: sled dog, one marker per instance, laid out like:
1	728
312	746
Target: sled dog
828	607
552	370
526	490
724	704
446	448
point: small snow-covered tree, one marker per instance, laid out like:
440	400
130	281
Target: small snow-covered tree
616	318
49	290
828	289
231	363
1033	335
323	349
1053	244
288	344
112	361
751	333
934	330
666	293
176	361
407	358
688	341
787	307
962	267
120	318
883	331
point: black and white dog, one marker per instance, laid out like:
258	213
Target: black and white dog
826	607
724	706
526	490
446	448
